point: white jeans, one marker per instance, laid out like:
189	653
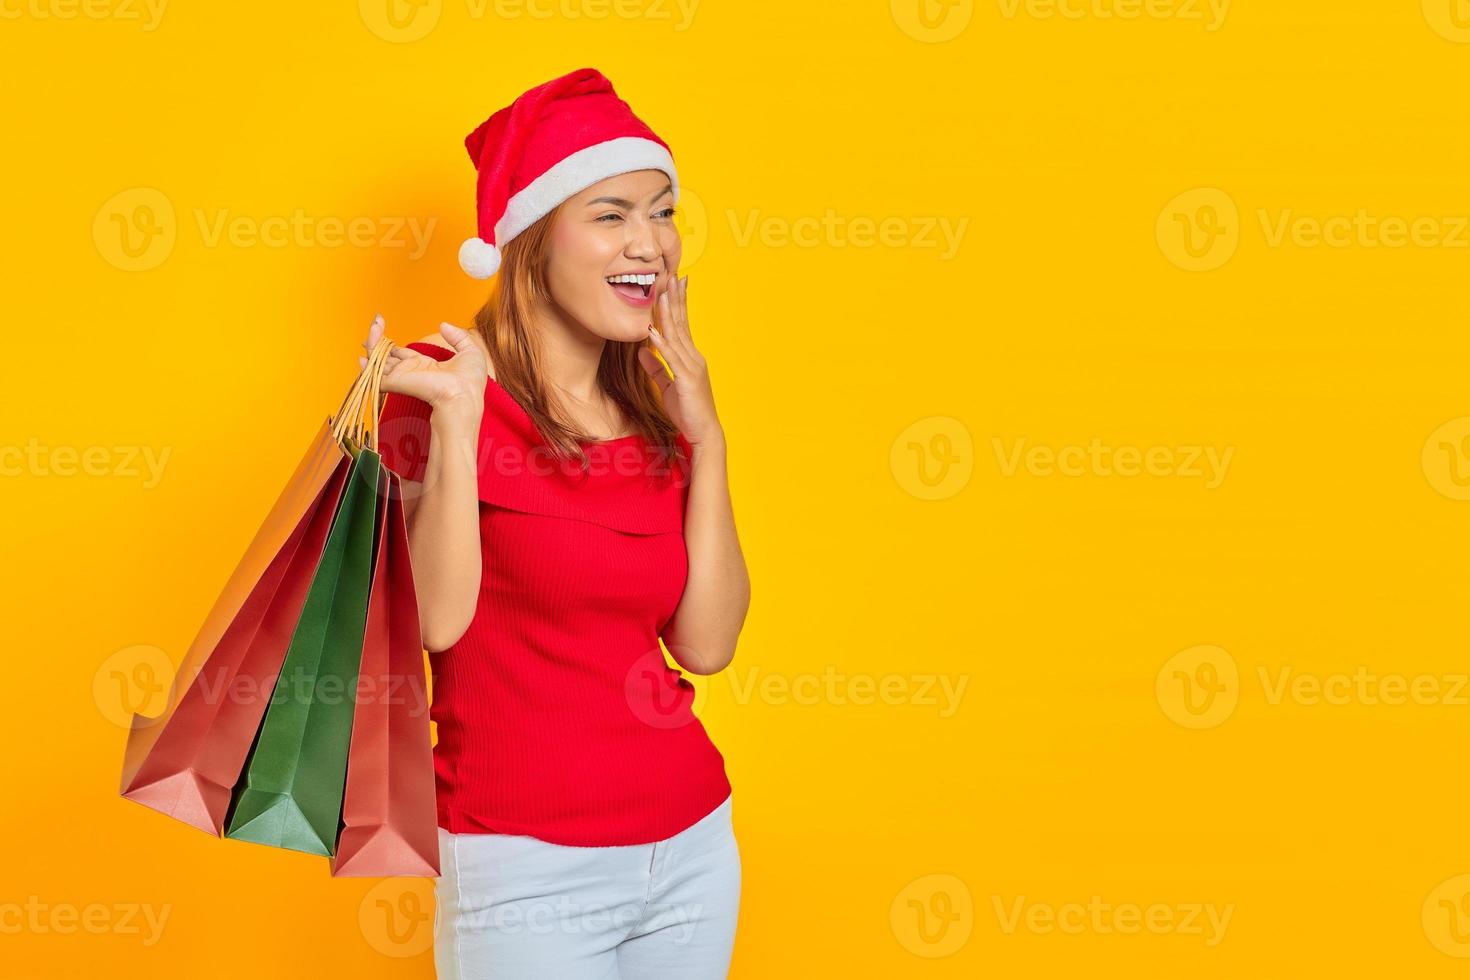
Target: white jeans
512	907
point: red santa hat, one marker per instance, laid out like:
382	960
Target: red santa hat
550	143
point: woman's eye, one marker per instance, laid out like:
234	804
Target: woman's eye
667	212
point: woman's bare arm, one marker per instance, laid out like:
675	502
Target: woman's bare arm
442	511
705	627
443	515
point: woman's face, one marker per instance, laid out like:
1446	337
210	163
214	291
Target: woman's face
618	226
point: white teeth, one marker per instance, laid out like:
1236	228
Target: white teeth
644	280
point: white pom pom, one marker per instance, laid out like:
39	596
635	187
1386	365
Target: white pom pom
479	258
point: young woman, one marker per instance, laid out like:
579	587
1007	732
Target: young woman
568	507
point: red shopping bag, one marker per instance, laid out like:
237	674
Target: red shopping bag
389	824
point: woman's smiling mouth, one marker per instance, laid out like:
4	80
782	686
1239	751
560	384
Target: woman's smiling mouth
634	288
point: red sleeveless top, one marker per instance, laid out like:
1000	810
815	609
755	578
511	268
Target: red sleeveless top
557	715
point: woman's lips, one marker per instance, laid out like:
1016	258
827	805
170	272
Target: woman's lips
632	294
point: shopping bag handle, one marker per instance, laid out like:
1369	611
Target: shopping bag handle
362	427
356	421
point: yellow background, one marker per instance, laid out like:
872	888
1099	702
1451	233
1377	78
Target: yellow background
1120	739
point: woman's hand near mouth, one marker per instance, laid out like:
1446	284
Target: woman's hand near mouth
687	396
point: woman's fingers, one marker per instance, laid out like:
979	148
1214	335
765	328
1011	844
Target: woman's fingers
685	335
681	319
663	335
461	339
677	333
471	354
375	333
458	337
655	369
681	308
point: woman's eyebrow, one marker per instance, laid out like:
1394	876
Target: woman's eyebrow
622	203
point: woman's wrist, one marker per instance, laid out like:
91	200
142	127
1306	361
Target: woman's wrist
457	412
709	446
456	431
456	426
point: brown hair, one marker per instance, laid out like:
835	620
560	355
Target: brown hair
504	322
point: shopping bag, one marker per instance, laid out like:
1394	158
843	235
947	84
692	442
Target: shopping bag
185	761
389	824
291	789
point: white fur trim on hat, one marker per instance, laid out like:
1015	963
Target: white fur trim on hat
577	172
479	258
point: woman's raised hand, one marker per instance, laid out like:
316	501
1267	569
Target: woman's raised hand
688	396
458	381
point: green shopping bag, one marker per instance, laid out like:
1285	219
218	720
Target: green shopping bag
290	791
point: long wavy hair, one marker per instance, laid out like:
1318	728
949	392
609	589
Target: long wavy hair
505	324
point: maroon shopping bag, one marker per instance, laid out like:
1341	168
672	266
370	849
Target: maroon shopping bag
184	762
389	824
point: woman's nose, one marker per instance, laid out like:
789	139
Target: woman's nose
642	242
